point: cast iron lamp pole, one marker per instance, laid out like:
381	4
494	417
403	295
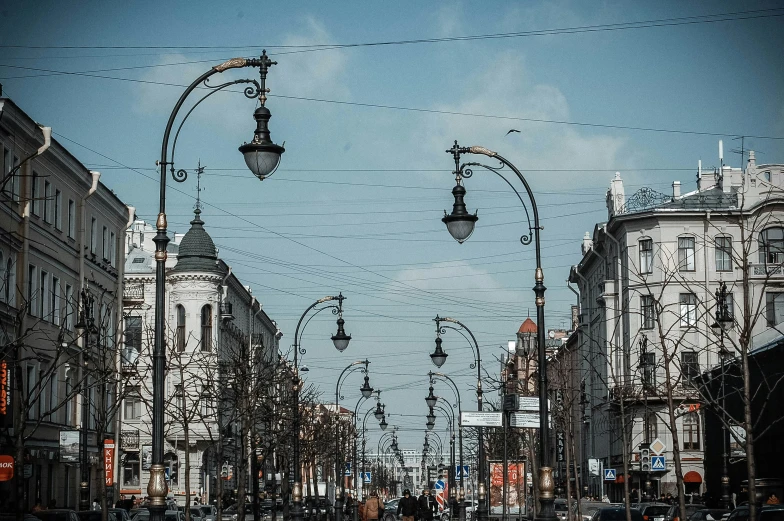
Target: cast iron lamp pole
461	513
340	340
355	505
339	471
437	357
460	225
87	328
724	322
262	156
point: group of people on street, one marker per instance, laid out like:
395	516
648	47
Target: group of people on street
423	508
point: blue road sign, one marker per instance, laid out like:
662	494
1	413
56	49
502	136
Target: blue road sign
609	474
366	478
439	485
348	469
658	463
459	474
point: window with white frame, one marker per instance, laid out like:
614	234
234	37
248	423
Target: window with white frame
55	300
691	431
774	308
71	219
180	339
70	309
686	254
31	290
690	368
132	404
723	253
43	302
112	248
648	311
771	246
35	195
646	256
93	234
48	200
58	209
206	328
688	304
105	243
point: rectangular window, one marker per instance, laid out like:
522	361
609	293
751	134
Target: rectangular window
690	368
133	340
686	254
55	301
647	309
646	256
31	391
93	235
112	248
105	243
649	370
688	303
31	292
71	219
58	209
35	196
723	253
652	425
17	180
774	308
132	405
207	405
70	309
691	431
47	202
179	398
43	302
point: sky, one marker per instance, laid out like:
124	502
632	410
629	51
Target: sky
642	88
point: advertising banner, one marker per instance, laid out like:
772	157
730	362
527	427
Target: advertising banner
69	446
6	414
516	488
146	457
6	467
108	461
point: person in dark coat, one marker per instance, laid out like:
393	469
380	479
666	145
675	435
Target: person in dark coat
407	506
427	506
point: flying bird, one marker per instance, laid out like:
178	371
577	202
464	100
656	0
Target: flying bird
513	130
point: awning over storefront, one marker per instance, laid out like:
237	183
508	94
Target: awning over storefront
692	477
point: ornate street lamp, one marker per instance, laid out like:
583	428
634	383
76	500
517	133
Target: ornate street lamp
379	412
431	399
366	389
383	423
724	322
431	418
90	337
460	225
262	157
438	356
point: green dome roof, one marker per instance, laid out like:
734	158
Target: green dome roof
197	251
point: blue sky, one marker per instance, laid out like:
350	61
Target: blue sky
356	204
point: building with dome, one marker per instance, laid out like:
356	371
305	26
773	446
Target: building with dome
214	324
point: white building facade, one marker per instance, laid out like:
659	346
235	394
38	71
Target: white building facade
648	279
209	313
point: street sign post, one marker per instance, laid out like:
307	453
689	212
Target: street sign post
609	474
481	419
366	478
658	464
348	469
460	474
524	420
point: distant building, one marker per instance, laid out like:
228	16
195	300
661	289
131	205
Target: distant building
210	314
658	261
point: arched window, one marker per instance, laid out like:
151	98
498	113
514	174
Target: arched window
180	333
206	328
771	246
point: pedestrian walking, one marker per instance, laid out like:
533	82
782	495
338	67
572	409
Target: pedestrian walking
374	507
407	506
427	506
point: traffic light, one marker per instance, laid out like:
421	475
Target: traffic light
645	457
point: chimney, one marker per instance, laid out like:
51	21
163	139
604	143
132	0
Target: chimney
587	243
676	190
752	164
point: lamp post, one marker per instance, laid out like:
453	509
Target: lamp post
449	414
646	384
441	327
379	415
461	490
460	225
90	336
262	157
366	391
340	344
724	322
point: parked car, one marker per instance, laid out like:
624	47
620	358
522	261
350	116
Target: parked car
587	508
615	513
709	514
208	512
121	514
93	515
764	513
390	510
674	513
231	513
6	516
561	506
57	514
653	511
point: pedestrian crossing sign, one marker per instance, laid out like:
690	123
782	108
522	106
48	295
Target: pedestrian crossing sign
658	463
609	474
366	478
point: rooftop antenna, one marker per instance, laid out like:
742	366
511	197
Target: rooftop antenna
199	172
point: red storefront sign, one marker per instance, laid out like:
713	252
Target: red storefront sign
108	461
6	467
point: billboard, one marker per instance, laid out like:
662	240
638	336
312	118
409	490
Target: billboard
6	402
69	446
516	488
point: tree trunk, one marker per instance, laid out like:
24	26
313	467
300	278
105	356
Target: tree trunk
625	451
676	445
